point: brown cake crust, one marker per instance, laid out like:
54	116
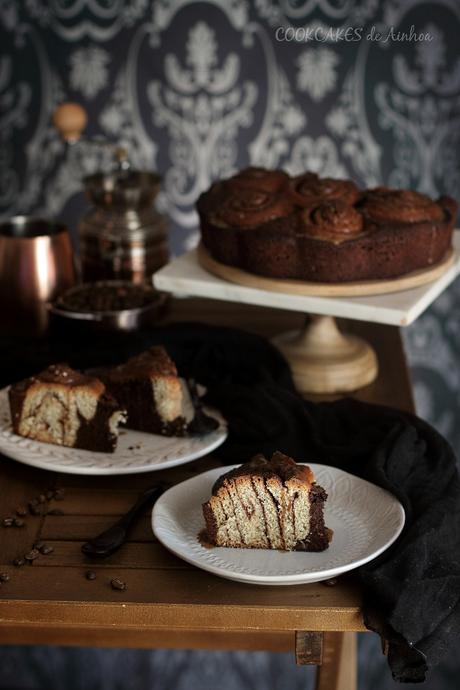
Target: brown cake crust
327	230
152	362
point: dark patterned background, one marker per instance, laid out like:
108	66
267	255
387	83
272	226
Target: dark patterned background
196	90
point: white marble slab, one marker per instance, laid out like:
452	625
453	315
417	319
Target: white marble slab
185	277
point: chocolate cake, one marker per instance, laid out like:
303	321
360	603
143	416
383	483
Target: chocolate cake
268	504
148	388
64	407
322	229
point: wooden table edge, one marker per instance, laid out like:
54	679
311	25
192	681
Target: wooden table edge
128	615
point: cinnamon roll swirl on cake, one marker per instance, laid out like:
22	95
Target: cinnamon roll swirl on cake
321	229
64	407
309	188
400	206
268	504
233	209
333	220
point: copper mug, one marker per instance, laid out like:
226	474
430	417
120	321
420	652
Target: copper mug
37	263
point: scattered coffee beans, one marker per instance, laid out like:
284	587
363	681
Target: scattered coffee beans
34	507
107	297
90	575
116	583
8	522
32	555
4	577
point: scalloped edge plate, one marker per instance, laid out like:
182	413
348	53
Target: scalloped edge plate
365	518
136	451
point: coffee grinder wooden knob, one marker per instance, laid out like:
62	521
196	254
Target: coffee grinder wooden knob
70	119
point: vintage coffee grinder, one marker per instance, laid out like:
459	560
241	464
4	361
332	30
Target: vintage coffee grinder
122	236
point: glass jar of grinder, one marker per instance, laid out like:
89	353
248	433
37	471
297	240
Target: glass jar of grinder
122	236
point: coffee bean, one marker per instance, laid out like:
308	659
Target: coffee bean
42	498
8	522
46	549
56	511
17	522
49	495
34	507
32	555
90	575
18	562
4	577
39	545
21	512
116	583
59	494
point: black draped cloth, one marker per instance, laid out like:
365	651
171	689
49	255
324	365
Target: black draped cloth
412	591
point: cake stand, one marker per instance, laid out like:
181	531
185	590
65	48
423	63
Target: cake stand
322	358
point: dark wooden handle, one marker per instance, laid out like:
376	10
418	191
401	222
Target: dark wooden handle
114	537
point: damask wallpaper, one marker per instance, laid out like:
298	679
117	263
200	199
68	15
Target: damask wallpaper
362	88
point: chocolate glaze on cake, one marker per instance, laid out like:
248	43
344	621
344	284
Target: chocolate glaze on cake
268	504
280	466
320	229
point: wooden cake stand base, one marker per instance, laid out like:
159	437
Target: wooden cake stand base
322	359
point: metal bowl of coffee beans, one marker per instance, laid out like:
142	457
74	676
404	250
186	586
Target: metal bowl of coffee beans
108	305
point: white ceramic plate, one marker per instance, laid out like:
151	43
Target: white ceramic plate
136	451
365	519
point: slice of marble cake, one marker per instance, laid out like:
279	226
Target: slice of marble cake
268	504
149	388
66	408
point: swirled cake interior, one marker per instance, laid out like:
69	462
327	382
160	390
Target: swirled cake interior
268	504
66	408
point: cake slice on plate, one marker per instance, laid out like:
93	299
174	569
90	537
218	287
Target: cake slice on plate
148	387
66	408
268	504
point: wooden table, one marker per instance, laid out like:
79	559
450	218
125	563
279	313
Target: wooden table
169	603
